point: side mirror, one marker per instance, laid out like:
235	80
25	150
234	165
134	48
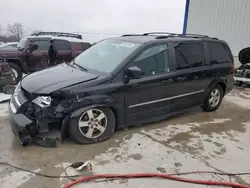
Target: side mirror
35	47
133	73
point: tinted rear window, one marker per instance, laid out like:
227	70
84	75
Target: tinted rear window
219	53
189	55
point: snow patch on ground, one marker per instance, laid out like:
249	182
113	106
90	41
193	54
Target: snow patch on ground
15	179
4	97
244	103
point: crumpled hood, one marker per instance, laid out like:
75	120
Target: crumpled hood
244	55
52	79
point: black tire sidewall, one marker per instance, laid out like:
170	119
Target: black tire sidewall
18	69
206	105
79	138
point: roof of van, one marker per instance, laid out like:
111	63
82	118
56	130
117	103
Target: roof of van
146	37
70	39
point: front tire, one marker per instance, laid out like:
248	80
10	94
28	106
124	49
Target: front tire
17	71
214	99
93	125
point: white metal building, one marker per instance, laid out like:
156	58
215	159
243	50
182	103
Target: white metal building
225	19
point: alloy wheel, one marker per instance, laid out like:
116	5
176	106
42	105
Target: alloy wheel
214	97
92	123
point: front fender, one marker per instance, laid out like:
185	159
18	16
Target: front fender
82	103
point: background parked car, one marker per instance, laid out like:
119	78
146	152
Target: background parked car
242	73
6	78
31	53
9	45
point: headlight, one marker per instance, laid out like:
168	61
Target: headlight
43	101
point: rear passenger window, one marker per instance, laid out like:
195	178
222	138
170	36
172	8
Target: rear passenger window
189	55
218	53
77	46
62	45
153	60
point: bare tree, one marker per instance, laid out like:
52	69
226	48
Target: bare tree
15	30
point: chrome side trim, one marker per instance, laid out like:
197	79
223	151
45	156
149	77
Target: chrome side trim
166	99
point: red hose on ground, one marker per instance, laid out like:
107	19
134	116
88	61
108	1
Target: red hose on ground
149	175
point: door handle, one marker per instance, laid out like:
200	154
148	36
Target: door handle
44	54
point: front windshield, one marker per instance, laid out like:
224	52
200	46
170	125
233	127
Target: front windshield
106	55
21	44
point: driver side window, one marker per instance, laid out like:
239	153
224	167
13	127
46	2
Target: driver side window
42	44
153	60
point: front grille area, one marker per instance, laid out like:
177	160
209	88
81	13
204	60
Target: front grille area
28	96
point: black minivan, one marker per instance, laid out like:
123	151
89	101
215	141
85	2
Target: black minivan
123	81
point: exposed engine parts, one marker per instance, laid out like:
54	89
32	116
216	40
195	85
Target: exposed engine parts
243	71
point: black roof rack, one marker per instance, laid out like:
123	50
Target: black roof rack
175	34
59	34
162	35
159	33
127	35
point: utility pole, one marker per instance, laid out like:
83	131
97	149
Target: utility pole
62	26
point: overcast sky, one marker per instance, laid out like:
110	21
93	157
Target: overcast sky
94	16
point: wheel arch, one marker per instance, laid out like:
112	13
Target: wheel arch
215	82
223	86
79	111
19	62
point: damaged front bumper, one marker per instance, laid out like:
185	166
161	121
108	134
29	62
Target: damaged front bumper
18	124
34	130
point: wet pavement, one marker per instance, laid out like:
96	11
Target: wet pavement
192	141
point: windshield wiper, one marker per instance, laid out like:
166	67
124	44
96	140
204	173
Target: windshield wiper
79	66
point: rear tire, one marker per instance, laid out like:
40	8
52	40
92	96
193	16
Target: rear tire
213	100
17	71
89	129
